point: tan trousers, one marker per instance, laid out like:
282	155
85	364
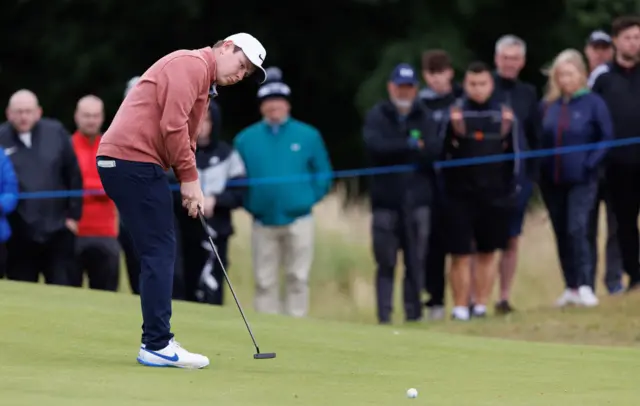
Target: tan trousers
292	247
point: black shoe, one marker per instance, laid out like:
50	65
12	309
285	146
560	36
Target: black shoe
504	307
479	315
433	303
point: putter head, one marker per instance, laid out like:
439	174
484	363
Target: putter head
265	355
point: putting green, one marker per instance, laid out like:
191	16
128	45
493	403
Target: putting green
63	346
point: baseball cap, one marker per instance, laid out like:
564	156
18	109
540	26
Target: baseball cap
404	74
254	51
599	37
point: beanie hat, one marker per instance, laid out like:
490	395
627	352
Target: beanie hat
273	86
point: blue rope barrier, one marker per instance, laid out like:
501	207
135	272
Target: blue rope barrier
372	171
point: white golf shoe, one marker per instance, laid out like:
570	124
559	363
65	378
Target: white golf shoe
173	355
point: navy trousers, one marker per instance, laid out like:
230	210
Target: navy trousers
142	195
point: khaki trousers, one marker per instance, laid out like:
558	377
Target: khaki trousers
292	247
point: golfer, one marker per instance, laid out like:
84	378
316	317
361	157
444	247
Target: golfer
155	129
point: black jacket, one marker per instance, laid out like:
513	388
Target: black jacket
49	165
477	131
523	99
620	89
219	164
387	142
439	104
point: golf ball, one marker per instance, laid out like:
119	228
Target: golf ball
412	393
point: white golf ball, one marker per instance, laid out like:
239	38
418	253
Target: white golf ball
412	393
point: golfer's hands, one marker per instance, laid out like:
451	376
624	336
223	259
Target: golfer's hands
192	197
209	206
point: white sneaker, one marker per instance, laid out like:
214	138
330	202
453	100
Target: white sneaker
587	297
569	297
173	355
460	313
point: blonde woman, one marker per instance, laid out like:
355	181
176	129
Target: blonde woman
572	116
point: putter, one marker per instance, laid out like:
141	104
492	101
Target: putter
258	354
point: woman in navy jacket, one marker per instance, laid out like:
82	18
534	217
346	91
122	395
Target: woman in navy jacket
572	117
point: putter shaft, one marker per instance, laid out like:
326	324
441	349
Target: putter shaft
224	271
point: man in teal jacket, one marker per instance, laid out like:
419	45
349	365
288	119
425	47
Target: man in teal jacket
289	171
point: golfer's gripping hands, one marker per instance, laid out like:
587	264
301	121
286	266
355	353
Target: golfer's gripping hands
192	197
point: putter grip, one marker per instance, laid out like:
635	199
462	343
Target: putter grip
203	221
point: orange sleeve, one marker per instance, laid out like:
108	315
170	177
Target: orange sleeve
178	87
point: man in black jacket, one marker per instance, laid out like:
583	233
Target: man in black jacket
619	85
599	52
521	97
400	131
43	227
218	164
480	198
441	92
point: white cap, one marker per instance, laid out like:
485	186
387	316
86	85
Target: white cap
254	51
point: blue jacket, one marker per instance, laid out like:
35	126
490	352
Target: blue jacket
584	119
8	194
288	155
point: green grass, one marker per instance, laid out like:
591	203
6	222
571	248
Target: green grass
63	346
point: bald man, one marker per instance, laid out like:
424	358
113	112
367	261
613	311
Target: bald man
43	228
97	251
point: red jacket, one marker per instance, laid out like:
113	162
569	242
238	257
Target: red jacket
98	211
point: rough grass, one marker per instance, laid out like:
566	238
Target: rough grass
343	275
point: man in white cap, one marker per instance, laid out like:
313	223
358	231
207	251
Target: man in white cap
154	130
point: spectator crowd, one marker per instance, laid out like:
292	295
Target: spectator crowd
472	213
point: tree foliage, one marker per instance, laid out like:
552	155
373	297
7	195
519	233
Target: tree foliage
335	55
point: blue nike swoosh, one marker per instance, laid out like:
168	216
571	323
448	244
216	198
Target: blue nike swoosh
173	358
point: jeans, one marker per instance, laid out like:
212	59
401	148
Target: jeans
569	208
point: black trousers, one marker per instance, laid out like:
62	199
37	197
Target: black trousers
613	258
142	195
211	281
193	255
624	187
3	260
27	259
436	259
395	230
99	257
